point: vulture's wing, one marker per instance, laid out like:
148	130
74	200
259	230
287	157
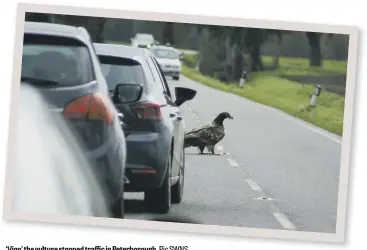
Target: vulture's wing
206	134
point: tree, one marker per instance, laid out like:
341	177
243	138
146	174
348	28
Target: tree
279	35
230	50
238	40
168	33
94	25
38	17
254	39
314	42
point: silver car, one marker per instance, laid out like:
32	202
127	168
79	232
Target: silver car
51	174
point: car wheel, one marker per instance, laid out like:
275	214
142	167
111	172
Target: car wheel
118	210
177	189
176	78
159	200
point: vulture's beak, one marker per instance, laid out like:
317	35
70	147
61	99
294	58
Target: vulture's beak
230	117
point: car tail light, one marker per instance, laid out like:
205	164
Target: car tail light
90	107
148	111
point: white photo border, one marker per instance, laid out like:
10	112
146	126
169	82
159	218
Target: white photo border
337	237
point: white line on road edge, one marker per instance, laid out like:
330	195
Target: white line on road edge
253	185
232	162
283	220
312	128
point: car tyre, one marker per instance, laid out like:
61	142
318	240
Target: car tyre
118	210
176	78
158	200
177	189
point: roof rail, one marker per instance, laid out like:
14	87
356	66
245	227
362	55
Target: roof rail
84	31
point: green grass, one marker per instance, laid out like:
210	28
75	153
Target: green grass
192	59
300	66
292	66
288	96
117	42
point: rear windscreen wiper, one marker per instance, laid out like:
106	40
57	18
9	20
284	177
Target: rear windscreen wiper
39	81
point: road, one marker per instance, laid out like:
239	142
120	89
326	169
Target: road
265	154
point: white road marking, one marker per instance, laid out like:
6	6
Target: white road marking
314	129
232	162
261	198
253	185
283	220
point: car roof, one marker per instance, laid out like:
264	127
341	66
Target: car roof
107	49
56	30
124	51
143	34
163	47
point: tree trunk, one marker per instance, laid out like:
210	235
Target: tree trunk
254	40
168	33
315	55
256	62
276	61
239	63
229	61
99	30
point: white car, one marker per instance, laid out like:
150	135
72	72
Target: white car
142	40
169	59
51	174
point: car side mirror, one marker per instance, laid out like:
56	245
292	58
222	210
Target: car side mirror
127	92
183	95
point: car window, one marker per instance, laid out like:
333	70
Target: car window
162	77
155	71
151	68
63	61
121	71
165	53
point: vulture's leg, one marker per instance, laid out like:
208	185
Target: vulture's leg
211	149
201	149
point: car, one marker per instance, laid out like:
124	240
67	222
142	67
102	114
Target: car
51	174
153	125
169	60
60	61
142	40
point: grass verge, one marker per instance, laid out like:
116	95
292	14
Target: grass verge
288	96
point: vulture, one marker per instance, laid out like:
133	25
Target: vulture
208	135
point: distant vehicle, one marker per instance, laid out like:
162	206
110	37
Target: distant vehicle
60	62
169	59
153	124
51	174
142	40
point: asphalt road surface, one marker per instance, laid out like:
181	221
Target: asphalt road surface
265	154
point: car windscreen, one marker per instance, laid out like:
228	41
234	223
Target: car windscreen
144	38
57	61
165	53
119	70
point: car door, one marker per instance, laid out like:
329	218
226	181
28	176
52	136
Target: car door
177	121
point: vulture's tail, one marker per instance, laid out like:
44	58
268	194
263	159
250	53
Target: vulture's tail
190	141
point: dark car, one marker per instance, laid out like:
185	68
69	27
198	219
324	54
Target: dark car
153	125
60	62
